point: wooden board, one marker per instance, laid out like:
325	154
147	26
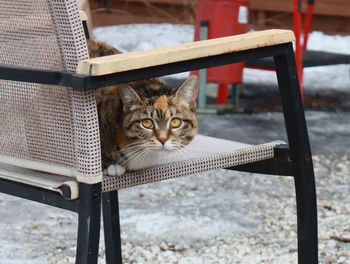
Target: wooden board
261	20
321	7
193	50
125	12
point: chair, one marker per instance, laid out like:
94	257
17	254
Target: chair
49	144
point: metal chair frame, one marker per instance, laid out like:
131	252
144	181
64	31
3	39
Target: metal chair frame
293	160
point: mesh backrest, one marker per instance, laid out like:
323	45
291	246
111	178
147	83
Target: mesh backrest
46	124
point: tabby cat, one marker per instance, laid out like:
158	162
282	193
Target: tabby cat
143	119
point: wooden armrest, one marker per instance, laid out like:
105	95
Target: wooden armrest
83	16
199	49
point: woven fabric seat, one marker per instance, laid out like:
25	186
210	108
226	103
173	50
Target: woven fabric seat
202	154
49	134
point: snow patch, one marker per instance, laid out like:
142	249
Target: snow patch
134	37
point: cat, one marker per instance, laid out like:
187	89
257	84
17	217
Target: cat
143	119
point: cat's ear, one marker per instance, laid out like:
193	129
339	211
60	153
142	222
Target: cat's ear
129	97
188	91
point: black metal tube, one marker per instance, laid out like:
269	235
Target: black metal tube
86	29
111	225
91	82
38	195
85	82
301	155
88	223
61	78
281	164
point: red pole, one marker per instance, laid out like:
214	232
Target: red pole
307	24
222	93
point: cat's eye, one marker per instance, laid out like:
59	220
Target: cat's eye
148	123
175	123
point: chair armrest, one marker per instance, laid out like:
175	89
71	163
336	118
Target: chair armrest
83	16
183	52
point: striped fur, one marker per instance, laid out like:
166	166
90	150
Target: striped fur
125	141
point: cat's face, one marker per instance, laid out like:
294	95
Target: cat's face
158	122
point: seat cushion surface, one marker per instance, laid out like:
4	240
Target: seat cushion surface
202	154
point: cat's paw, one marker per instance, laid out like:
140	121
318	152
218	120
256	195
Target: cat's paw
114	170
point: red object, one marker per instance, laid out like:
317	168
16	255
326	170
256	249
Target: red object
222	93
299	46
307	25
225	18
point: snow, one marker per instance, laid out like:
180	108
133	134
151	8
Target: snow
319	41
134	37
192	223
144	36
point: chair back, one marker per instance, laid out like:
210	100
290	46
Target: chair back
46	127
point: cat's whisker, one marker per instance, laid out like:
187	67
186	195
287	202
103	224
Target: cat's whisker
132	148
143	156
191	149
139	156
134	151
177	145
184	153
187	152
134	144
136	147
133	155
126	150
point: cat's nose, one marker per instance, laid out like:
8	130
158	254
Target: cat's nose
162	140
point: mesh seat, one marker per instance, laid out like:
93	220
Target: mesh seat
49	134
204	154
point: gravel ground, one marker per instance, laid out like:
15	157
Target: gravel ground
217	217
221	217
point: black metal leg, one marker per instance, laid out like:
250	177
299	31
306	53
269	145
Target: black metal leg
89	223
301	155
112	227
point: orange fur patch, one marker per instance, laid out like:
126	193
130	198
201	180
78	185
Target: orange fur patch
161	103
155	86
121	140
